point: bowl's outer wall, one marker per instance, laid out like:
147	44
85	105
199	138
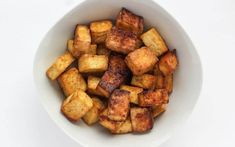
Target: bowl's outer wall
187	79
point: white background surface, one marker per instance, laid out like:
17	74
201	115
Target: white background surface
24	122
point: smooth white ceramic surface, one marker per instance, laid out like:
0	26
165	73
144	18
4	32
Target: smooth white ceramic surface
187	79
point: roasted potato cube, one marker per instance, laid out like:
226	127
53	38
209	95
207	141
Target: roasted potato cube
82	41
118	106
73	51
145	81
130	22
92	116
107	123
102	50
109	82
126	127
141	119
99	30
134	91
72	80
141	61
168	63
139	43
153	98
153	40
92	83
168	83
92	63
59	66
157	110
159	76
118	65
121	41
76	105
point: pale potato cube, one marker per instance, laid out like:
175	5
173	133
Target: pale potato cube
92	83
153	40
157	110
145	81
99	30
134	91
92	116
141	61
92	63
59	66
82	40
76	105
72	80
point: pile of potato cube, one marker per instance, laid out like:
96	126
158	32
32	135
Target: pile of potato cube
122	76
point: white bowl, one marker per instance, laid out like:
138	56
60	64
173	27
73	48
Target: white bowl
187	79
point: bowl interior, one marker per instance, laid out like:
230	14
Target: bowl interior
187	79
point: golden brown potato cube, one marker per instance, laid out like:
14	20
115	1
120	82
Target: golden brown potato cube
72	50
130	22
134	91
59	66
107	123
153	98
145	81
157	110
141	61
153	40
102	50
82	40
118	106
76	105
168	83
168	63
118	65
92	63
99	30
92	116
121	41
141	119
109	82
159	76
92	83
71	80
126	127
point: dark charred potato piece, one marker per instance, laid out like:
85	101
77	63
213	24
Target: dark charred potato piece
153	98
118	106
99	30
153	40
130	22
145	81
141	119
168	63
109	82
118	65
121	41
76	105
141	61
72	80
